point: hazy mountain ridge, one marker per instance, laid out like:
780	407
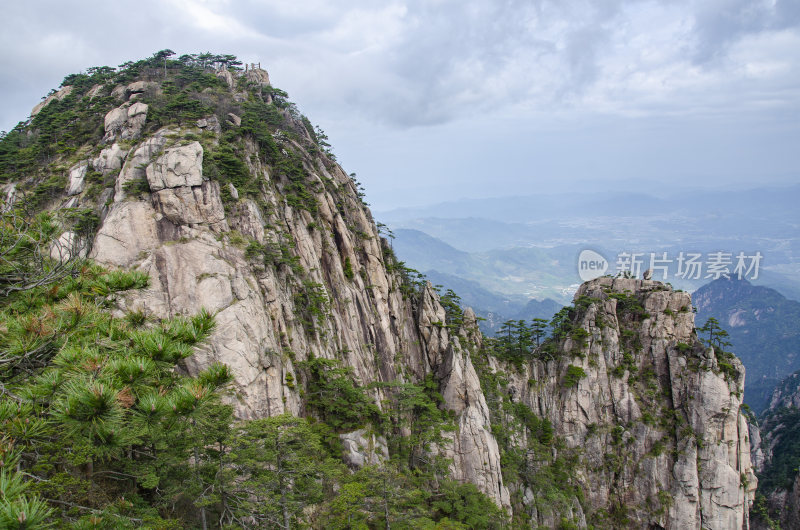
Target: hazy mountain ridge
612	222
493	309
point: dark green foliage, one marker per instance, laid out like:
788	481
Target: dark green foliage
281	468
59	129
348	269
26	260
333	395
573	376
311	304
385	496
419	410
717	339
226	166
137	186
454	315
51	187
760	514
514	341
629	306
781	470
180	108
90	399
463	503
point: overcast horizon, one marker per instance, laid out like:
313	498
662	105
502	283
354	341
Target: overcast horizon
436	101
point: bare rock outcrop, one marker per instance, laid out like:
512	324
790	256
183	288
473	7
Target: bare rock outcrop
77	176
178	166
655	417
110	159
362	448
135	164
473	450
125	122
257	76
55	96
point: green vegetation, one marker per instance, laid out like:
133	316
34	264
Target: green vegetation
543	464
782	469
101	430
311	304
333	395
92	408
717	339
573	376
628	306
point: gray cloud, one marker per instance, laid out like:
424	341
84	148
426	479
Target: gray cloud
421	80
417	62
720	23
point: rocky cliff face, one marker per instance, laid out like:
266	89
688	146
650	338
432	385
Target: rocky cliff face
259	225
776	456
651	420
762	327
286	280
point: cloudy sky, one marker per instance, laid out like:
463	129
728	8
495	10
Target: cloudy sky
435	100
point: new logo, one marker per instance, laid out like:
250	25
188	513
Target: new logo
591	265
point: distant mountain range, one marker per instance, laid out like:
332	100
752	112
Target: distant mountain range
493	309
528	245
764	328
516	274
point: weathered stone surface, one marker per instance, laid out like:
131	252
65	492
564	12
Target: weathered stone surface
210	124
227	77
362	448
77	175
95	91
127	234
118	92
246	219
234	120
189	205
257	76
110	159
703	455
115	120
472	449
757	456
125	122
67	246
178	166
133	90
137	115
138	87
134	167
9	194
56	96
